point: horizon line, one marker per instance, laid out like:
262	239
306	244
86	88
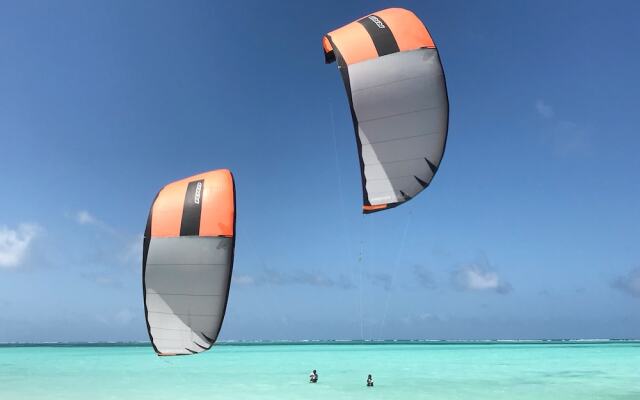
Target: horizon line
233	342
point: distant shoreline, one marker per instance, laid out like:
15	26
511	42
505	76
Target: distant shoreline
336	342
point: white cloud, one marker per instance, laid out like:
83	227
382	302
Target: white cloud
629	283
102	279
424	277
83	217
124	316
544	109
243	280
270	276
106	258
131	255
14	244
426	317
569	138
421	318
476	278
381	279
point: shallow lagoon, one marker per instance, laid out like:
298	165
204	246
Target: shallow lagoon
402	370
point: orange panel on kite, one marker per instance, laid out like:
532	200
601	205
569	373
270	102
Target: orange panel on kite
208	196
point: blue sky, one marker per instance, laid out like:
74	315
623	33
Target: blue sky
529	230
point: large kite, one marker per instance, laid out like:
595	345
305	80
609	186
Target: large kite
398	98
187	262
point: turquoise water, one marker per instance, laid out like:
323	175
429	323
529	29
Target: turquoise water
280	371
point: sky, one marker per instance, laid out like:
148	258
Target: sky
529	230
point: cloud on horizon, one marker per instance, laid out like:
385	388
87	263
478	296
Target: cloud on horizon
107	256
424	277
121	317
381	279
629	283
420	318
569	138
127	248
270	276
474	277
83	217
102	279
544	109
132	253
565	136
15	244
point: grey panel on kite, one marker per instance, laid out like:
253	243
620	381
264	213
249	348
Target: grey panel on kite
187	282
401	106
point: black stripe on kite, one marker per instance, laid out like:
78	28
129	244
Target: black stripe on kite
433	167
201	346
190	225
191	351
381	35
421	182
208	338
146	242
344	73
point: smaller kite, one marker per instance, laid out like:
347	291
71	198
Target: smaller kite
398	97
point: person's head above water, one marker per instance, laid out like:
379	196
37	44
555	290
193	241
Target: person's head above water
314	371
369	377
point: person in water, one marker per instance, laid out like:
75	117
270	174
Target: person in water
313	377
369	380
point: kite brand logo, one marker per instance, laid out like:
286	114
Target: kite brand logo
196	199
377	21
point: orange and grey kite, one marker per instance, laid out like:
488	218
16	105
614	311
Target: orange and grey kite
187	262
398	98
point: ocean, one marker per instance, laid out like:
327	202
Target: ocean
401	370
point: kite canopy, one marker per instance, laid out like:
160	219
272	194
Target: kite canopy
187	262
398	98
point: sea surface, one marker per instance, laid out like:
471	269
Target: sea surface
401	370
